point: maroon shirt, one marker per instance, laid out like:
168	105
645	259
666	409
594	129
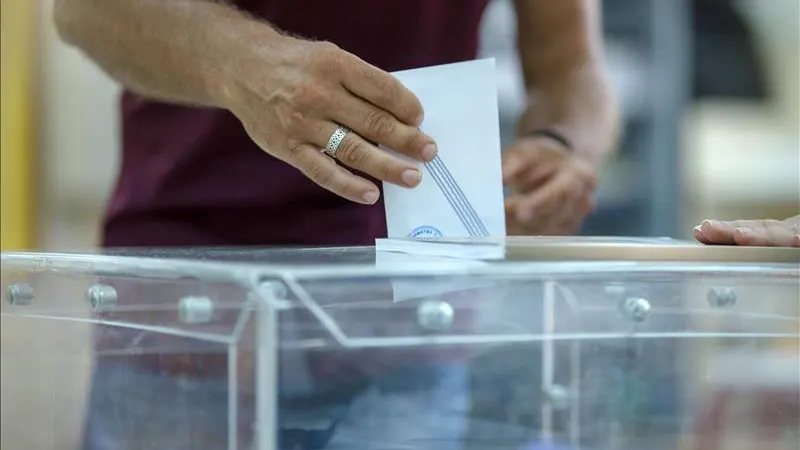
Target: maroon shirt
192	176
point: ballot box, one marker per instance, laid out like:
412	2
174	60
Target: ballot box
547	344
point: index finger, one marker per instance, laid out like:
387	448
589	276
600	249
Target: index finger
383	90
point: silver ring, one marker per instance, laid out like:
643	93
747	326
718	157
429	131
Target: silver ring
336	140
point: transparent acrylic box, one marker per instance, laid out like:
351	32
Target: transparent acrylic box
563	344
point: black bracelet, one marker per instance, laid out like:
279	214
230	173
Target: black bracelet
554	135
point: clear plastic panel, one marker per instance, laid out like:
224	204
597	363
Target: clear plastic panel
239	352
106	355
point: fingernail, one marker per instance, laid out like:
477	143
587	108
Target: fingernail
744	231
697	229
429	152
411	177
420	119
371	197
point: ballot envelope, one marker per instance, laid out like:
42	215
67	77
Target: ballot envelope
574	343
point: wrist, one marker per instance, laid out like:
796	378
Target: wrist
236	56
552	135
580	108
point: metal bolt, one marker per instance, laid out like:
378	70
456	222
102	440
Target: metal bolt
195	310
636	309
276	294
435	315
558	396
275	288
101	296
724	297
19	294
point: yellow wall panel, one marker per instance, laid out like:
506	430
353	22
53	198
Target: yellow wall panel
17	134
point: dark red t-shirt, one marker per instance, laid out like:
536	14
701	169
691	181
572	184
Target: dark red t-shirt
192	176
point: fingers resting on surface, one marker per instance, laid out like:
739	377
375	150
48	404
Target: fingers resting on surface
763	233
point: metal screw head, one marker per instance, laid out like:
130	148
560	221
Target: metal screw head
276	294
558	396
276	289
19	294
195	310
636	309
435	315
101	296
721	297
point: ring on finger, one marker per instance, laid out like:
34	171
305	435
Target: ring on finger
335	140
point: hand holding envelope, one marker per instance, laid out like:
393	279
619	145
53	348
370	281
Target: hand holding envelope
461	193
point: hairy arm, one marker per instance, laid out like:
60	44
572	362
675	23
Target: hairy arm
560	47
171	50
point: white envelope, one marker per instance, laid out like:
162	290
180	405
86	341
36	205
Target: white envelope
461	193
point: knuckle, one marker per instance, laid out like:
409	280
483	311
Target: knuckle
386	169
310	96
294	123
380	125
320	174
388	92
328	58
352	153
328	47
294	149
414	140
408	105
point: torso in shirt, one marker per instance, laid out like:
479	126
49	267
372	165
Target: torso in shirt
193	177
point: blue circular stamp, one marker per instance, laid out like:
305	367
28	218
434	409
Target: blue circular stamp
425	232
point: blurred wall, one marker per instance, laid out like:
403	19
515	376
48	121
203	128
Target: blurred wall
17	132
80	148
742	159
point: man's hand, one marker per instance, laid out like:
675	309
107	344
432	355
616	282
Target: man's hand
560	45
552	190
763	233
292	97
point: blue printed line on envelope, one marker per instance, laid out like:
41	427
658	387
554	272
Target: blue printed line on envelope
468	209
456	198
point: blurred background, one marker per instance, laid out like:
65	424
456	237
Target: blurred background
710	92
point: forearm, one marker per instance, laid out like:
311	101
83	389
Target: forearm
560	47
172	50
